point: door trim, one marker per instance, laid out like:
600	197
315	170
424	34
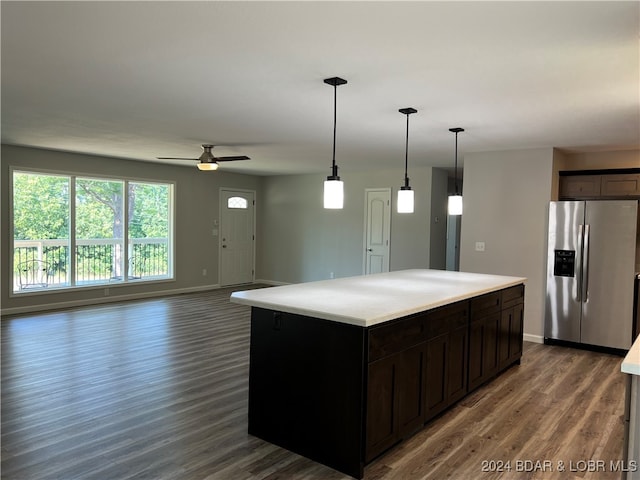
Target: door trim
220	207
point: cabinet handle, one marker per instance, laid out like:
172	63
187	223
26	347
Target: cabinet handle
277	320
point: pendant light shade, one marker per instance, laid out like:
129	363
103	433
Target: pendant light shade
405	203
333	186
405	200
455	201
454	206
333	193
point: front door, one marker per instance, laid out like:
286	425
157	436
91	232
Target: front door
237	238
377	230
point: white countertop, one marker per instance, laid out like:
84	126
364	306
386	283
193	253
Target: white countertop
371	299
631	363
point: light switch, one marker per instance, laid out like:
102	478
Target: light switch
479	246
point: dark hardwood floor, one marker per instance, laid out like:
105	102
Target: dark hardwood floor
157	389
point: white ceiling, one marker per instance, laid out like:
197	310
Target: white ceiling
146	79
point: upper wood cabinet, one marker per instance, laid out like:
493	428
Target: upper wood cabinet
620	185
580	186
606	185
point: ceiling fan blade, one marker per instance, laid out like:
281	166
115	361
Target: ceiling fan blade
231	159
175	158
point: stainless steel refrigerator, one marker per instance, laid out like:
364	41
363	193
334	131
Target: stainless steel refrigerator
590	272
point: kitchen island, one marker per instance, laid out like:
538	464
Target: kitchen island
341	370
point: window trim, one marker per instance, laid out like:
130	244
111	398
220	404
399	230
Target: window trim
172	184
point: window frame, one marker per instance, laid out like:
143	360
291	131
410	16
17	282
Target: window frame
73	176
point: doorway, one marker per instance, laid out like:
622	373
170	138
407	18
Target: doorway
377	230
236	249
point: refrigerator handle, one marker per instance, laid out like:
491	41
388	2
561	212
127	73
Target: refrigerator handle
581	272
585	264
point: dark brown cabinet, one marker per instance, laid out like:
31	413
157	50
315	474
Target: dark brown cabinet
396	384
600	184
510	332
620	185
495	333
396	393
580	186
447	347
483	338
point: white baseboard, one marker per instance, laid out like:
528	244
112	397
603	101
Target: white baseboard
99	300
527	337
273	283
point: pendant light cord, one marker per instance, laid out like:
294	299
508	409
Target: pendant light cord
456	167
406	155
456	131
334	169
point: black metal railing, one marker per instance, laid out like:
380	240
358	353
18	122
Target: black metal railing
96	261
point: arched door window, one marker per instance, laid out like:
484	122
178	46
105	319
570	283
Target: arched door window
237	202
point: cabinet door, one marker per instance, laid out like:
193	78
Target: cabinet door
621	185
580	186
490	358
382	412
457	364
437	378
504	337
395	396
476	354
510	335
483	349
411	389
517	331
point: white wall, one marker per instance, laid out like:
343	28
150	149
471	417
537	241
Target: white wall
506	197
300	241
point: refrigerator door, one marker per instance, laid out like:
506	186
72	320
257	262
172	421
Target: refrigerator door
563	300
609	265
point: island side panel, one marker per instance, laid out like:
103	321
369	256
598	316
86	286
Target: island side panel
306	387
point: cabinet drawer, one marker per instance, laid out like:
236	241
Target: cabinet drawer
395	337
485	305
445	319
512	296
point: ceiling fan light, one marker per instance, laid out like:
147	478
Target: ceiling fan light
405	200
333	193
208	166
455	205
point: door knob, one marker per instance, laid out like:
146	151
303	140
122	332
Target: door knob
224	246
369	249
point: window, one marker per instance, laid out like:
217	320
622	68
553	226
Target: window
237	202
54	215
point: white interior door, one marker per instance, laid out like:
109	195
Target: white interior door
236	240
377	230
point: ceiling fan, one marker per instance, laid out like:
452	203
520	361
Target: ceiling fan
207	160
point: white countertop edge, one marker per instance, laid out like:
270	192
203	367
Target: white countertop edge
631	363
238	297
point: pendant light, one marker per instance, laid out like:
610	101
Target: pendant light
455	201
333	186
405	194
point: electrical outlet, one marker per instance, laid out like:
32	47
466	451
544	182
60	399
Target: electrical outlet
204	272
479	246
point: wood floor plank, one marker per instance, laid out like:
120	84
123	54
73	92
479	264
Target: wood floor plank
158	389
